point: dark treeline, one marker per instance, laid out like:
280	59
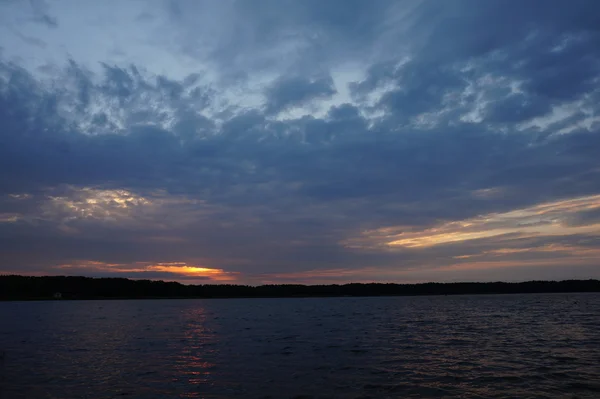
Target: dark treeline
25	287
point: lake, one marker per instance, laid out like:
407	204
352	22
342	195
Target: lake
496	346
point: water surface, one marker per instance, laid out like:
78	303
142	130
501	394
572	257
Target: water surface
519	346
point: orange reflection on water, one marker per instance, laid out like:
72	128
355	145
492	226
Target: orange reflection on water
193	364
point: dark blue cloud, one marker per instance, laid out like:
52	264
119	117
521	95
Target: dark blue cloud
294	91
515	108
320	31
551	53
421	88
41	15
342	157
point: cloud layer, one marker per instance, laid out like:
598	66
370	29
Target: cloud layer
301	141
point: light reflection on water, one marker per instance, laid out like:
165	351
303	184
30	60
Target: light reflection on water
466	346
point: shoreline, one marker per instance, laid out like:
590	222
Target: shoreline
49	299
57	288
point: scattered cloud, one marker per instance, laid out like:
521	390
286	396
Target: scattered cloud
546	219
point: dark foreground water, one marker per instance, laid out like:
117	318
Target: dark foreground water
520	346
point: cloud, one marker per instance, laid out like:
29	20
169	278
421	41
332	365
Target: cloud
547	219
40	14
294	91
272	136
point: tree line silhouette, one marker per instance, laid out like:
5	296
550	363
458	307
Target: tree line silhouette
14	287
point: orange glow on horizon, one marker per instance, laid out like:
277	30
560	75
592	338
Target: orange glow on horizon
181	269
195	271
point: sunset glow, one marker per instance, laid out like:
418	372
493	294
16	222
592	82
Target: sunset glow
547	219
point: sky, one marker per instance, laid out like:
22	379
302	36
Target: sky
314	142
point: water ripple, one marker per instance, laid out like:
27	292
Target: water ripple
534	346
